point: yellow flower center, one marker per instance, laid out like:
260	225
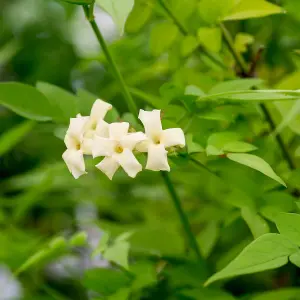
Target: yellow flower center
156	140
119	149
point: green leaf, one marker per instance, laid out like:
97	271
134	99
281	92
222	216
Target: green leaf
211	11
295	259
26	101
105	281
12	137
257	163
281	294
246	9
217	141
208	237
242	40
238	146
255	222
162	37
79	239
65	102
210	38
269	251
206	293
237	84
188	45
118	253
79	2
192	147
288	224
118	9
139	16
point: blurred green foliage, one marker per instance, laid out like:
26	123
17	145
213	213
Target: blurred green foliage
173	56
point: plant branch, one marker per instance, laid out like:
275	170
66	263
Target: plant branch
229	41
247	73
132	107
184	220
185	32
129	100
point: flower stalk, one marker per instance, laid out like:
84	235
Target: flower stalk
88	10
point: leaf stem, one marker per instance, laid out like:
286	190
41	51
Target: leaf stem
185	32
132	107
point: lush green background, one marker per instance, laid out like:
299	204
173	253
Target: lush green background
171	54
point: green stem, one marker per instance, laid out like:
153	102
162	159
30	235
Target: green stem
129	100
184	220
239	59
185	32
132	107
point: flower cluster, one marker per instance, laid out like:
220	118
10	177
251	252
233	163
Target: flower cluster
91	135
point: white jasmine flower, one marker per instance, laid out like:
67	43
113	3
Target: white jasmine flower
158	140
96	124
117	149
79	136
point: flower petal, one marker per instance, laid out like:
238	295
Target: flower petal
128	162
100	109
152	122
76	127
157	158
75	162
103	146
102	128
87	146
143	146
173	137
108	166
118	130
132	139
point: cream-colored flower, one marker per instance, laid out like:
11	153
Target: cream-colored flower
117	149
158	140
96	124
80	134
73	156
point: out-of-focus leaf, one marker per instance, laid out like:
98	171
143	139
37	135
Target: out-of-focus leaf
162	37
295	259
255	222
79	2
118	9
207	293
269	251
210	38
237	84
105	281
281	294
238	146
65	102
208	237
188	45
217	141
252	9
26	101
257	163
118	253
139	16
289	225
79	239
193	147
145	274
211	11
10	138
85	101
242	41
